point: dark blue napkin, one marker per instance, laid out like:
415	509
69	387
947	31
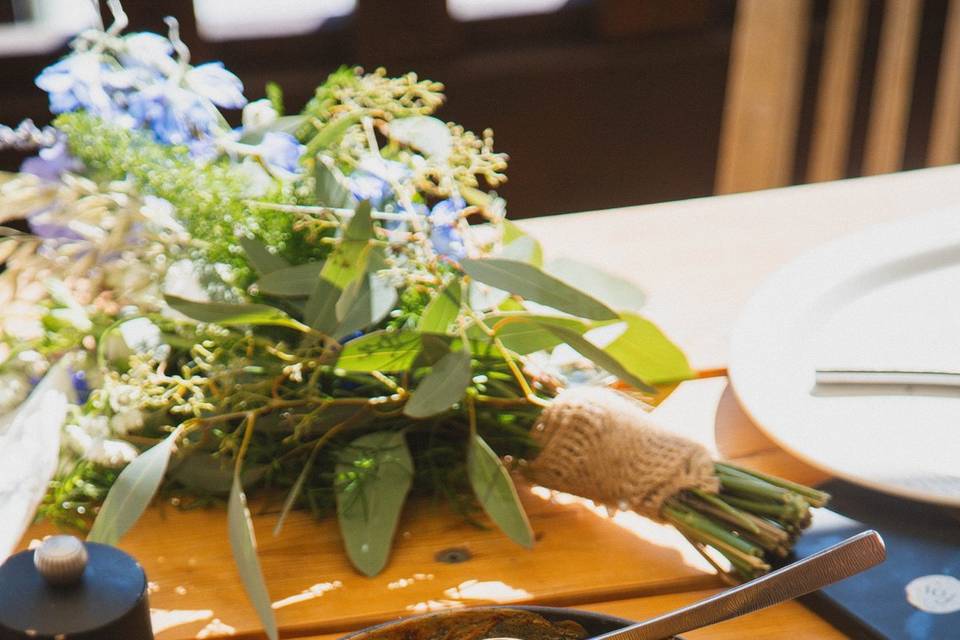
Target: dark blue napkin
921	540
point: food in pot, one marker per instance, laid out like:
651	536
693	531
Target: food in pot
476	625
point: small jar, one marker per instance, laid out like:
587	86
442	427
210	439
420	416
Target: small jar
67	589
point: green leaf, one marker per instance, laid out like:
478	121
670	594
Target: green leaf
442	387
328	190
374	475
132	492
525	334
599	357
424	133
496	492
531	283
617	292
332	132
381	351
647	353
291	281
443	310
349	259
260	257
517	245
202	471
283	124
244	545
320	311
227	315
371	299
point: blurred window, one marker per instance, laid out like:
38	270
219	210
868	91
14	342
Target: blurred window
242	19
466	10
41	26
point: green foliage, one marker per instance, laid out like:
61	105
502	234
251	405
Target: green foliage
645	352
527	281
374	475
443	386
226	314
210	201
613	290
132	492
381	351
494	489
349	259
244	545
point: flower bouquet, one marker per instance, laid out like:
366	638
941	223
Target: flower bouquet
329	308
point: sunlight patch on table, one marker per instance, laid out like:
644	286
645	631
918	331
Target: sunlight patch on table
314	591
163	619
662	535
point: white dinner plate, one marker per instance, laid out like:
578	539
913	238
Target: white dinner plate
887	298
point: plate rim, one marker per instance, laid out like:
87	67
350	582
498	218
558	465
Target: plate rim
747	322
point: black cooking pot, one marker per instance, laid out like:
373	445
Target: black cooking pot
594	623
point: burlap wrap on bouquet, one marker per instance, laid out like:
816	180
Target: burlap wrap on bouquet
601	444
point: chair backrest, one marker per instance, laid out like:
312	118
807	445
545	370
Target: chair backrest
765	83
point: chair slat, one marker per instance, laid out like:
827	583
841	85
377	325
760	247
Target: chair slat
944	146
837	91
890	104
768	59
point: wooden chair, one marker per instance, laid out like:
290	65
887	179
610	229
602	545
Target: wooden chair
765	82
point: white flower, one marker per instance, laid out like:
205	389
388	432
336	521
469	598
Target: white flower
126	421
14	389
259	114
87	438
112	453
161	212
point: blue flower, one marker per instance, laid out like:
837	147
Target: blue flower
76	82
280	150
78	378
176	116
52	162
372	179
218	85
444	235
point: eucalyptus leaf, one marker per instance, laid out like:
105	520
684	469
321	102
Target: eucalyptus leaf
374	298
244	545
496	492
349	258
296	281
599	357
374	476
204	472
295	490
518	245
260	257
381	351
442	387
329	191
647	353
30	451
283	124
443	310
227	314
531	283
427	134
132	492
618	293
527	333
320	311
